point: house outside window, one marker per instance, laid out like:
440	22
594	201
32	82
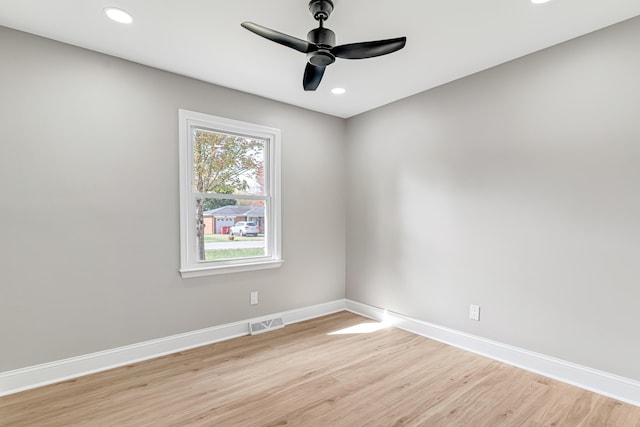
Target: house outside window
229	195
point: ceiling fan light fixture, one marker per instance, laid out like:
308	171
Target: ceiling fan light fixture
338	90
539	1
118	15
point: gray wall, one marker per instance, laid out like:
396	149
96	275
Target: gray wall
89	247
517	189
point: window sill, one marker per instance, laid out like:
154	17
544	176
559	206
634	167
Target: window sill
226	269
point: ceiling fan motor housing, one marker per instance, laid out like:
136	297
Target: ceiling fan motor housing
324	39
321	9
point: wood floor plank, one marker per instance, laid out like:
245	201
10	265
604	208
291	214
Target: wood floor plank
317	373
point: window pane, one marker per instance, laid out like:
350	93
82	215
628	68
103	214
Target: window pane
227	164
226	230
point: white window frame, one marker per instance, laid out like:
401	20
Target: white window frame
190	266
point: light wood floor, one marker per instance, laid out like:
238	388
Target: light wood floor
303	375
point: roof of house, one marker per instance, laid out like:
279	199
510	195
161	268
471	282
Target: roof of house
232	210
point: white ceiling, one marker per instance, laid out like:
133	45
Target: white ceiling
446	40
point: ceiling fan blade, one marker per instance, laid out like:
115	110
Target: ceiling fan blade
278	37
369	49
312	77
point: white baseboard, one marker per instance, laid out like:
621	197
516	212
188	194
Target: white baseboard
614	386
61	370
604	383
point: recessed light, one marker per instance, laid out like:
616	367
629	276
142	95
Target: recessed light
539	1
118	15
338	90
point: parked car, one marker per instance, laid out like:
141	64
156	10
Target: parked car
244	228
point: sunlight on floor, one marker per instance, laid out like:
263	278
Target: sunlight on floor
365	328
362	328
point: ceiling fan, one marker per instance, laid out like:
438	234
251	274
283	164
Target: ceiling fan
321	49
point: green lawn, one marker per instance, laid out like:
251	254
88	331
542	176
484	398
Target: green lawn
208	238
216	254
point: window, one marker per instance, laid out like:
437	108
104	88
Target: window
229	195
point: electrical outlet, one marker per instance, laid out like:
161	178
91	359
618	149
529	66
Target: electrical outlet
254	298
474	312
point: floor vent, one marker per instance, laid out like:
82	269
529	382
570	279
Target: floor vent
266	325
